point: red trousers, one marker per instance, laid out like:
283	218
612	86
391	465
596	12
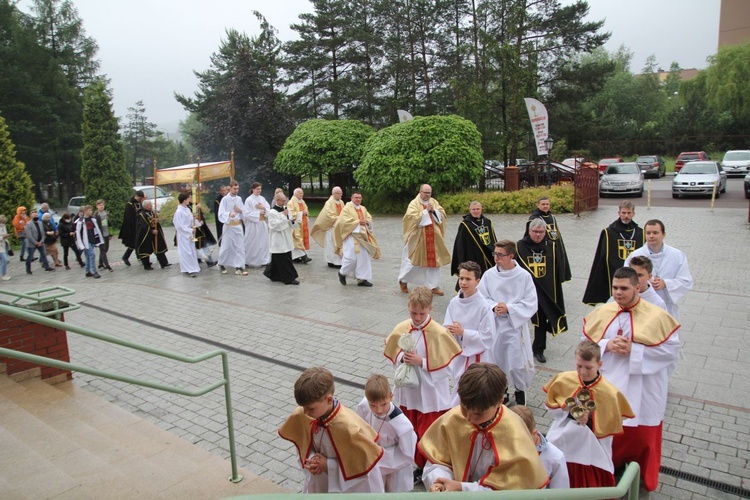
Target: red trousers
588	476
421	422
640	444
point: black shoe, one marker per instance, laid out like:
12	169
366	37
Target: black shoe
34	259
149	268
364	283
333	266
342	279
166	266
67	268
29	272
298	259
88	275
97	275
521	398
84	265
101	266
306	259
110	269
50	269
295	282
211	264
126	261
539	356
417	476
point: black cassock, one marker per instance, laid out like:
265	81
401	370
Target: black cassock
127	231
554	235
145	239
541	260
616	242
475	241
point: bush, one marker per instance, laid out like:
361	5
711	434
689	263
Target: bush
516	202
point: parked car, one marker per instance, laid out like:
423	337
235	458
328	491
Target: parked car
621	178
161	196
699	178
747	186
652	166
74	205
736	162
687	156
604	162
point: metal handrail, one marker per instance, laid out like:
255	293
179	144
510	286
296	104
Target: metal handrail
38	300
34	317
628	485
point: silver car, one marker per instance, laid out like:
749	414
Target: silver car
699	178
621	178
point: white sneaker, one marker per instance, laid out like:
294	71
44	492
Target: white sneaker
5	278
238	272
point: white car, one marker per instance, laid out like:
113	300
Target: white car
621	178
161	196
736	162
699	178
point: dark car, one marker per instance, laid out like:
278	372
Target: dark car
652	166
687	156
747	186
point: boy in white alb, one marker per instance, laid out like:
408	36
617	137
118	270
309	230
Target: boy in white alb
550	455
470	319
431	358
395	434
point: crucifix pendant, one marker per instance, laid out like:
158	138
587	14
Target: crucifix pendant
619	332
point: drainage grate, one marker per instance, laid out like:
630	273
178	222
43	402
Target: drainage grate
717	485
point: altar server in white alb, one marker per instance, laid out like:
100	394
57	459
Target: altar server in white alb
355	241
395	434
672	279
232	249
640	345
257	253
322	230
470	319
511	292
184	223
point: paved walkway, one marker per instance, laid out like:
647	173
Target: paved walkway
275	331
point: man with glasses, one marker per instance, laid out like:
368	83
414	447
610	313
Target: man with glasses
510	291
539	257
424	237
543	211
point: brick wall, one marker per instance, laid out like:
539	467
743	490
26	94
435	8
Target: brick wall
33	338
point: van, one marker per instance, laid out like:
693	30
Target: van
736	162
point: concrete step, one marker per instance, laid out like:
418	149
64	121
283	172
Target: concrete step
63	442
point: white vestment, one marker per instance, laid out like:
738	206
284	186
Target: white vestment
397	438
358	263
579	443
478	321
333	481
554	463
433	392
279	232
232	249
670	265
183	221
257	253
479	460
511	349
416	275
643	375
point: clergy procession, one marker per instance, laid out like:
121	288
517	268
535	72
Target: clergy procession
451	413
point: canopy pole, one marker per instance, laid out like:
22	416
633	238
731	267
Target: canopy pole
153	206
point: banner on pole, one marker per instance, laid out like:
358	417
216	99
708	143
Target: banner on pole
539	123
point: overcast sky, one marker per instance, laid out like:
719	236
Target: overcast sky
150	48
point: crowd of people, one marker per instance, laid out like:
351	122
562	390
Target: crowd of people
449	419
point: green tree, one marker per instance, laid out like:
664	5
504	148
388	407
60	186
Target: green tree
728	88
103	169
15	182
139	140
444	151
323	147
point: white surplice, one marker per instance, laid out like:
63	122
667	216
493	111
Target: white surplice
183	221
257	253
670	265
232	249
397	437
511	348
578	442
478	321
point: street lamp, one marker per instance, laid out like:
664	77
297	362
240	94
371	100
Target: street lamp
549	143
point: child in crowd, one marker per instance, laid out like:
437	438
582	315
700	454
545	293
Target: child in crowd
587	412
470	319
551	456
395	434
3	252
336	448
434	350
481	444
